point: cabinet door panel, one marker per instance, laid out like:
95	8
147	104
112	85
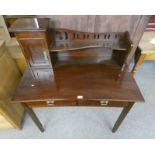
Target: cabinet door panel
36	52
44	75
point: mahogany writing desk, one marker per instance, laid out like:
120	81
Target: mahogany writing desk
74	69
77	86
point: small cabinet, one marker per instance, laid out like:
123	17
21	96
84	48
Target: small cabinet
33	36
36	52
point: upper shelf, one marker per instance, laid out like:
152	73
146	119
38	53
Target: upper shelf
68	40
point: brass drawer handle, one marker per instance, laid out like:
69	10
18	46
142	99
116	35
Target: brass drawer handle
45	55
50	102
103	102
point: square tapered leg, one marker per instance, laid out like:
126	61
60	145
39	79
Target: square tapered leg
33	117
122	117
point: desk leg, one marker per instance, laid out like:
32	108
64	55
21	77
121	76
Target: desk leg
33	117
122	117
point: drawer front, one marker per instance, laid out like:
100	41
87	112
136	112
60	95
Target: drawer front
22	35
52	103
55	103
102	103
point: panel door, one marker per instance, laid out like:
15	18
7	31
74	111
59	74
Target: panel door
44	75
36	52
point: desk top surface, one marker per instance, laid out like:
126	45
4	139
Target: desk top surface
89	81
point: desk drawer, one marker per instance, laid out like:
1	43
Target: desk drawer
55	103
52	103
102	103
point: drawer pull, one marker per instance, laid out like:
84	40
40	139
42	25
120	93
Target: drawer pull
45	55
103	102
79	97
51	102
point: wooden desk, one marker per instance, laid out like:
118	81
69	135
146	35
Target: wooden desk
72	68
77	85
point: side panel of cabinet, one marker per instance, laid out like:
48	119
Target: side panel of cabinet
36	52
